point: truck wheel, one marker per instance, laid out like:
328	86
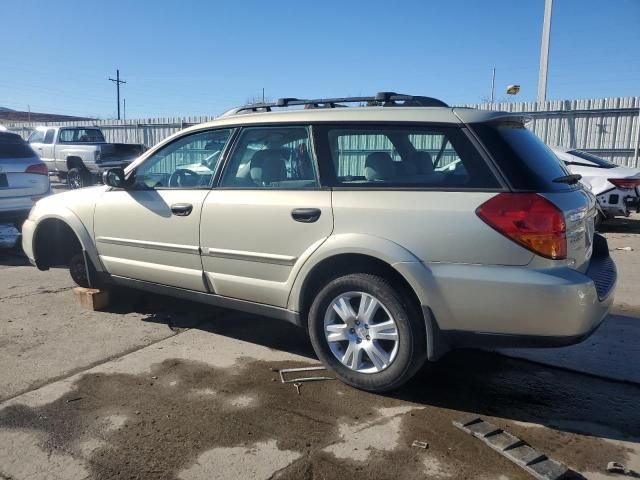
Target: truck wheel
364	330
78	178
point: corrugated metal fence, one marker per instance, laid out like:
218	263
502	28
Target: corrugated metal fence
608	127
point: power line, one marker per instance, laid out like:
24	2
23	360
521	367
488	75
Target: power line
117	81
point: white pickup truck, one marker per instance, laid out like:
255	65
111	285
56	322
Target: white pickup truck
79	154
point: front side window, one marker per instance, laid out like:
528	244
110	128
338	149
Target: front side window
272	157
37	136
430	157
48	138
188	162
81	135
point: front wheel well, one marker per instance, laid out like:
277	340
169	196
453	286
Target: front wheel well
344	264
54	244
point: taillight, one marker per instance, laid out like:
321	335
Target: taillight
528	219
38	168
625	183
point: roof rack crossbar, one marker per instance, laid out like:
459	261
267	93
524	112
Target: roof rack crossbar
385	99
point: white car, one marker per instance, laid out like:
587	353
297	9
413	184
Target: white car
617	188
24	178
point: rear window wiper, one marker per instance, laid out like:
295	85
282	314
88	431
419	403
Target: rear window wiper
569	179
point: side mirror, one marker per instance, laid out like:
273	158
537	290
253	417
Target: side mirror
114	177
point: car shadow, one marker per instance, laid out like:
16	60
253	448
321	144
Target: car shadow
469	381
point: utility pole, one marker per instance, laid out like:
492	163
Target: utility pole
493	84
117	81
544	51
262	94
124	108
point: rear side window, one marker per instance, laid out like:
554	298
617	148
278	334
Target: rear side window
411	156
525	160
13	146
271	157
81	135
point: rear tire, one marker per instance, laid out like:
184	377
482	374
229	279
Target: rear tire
79	177
383	346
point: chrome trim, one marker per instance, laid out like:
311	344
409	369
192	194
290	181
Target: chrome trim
168	247
252	256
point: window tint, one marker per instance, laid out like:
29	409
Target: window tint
48	138
37	136
13	146
271	157
188	162
526	161
81	135
432	157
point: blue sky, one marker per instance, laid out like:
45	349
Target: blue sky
192	58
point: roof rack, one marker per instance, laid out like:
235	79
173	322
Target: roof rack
384	99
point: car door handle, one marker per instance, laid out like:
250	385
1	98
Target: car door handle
181	209
306	215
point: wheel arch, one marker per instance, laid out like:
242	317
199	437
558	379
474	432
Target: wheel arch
351	253
65	231
74	161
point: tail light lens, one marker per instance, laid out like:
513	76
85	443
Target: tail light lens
38	168
528	219
625	183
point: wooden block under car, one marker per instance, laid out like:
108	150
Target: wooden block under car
91	298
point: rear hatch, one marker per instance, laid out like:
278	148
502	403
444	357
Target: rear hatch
529	166
22	173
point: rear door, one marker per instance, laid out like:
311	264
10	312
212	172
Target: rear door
266	217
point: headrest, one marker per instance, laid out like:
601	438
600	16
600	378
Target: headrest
423	162
378	166
267	167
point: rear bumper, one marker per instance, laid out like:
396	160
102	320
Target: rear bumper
494	306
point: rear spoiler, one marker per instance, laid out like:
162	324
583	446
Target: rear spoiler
472	115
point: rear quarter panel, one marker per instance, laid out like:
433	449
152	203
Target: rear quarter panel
434	226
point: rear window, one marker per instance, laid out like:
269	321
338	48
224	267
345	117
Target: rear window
81	135
404	156
590	157
525	160
13	146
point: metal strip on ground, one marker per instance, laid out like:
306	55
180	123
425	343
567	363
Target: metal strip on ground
515	449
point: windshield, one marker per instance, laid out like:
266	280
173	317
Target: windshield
81	135
590	157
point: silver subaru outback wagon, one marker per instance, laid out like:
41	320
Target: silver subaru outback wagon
392	233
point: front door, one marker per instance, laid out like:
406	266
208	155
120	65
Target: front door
150	231
266	217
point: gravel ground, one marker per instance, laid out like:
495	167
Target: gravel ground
156	388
